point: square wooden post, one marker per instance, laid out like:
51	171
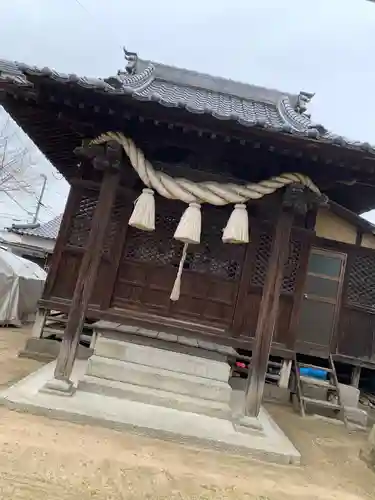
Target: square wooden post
296	199
61	382
268	313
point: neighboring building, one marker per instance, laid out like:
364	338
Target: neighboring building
302	284
32	241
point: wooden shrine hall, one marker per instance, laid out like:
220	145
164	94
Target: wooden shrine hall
203	208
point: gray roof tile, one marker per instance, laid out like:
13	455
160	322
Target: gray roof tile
48	231
198	93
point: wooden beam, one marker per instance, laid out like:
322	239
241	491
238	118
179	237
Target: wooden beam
85	284
359	236
268	312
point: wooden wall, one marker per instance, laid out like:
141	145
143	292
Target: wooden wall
354	337
221	284
356	327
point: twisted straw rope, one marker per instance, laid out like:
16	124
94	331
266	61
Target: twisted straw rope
211	192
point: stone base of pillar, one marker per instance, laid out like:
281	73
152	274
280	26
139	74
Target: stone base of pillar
59	387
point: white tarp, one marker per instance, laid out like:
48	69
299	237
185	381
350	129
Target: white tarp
21	286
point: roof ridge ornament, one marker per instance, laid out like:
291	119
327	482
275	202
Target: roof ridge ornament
132	59
303	99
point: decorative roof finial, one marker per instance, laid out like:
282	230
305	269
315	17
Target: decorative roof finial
303	100
132	58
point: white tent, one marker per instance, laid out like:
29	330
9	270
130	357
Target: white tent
21	286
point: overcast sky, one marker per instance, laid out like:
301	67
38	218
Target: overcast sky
321	46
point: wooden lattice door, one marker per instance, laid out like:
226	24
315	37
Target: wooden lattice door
210	278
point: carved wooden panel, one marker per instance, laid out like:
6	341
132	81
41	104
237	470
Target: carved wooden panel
211	272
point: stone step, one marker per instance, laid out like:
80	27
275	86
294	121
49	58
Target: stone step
162	358
156	397
158	378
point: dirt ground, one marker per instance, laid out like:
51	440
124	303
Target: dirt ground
51	460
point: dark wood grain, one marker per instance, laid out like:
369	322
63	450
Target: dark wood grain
87	275
298	292
268	312
55	261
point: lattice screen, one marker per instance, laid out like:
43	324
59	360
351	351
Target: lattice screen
81	222
260	264
211	256
157	247
118	219
263	253
361	281
292	265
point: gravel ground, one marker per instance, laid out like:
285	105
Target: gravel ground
52	460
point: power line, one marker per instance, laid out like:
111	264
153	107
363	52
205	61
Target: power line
16	202
80	3
83	7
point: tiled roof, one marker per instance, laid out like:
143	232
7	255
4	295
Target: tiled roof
198	93
48	231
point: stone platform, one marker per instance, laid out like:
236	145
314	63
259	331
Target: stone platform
268	443
159	368
161	384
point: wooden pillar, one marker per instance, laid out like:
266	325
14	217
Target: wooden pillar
296	200
268	312
84	284
40	320
356	376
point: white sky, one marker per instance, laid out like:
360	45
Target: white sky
321	46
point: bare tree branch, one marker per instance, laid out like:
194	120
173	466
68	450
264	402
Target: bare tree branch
15	162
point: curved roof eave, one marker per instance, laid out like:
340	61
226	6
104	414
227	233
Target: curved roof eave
249	106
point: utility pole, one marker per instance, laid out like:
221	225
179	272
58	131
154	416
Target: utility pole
35	219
